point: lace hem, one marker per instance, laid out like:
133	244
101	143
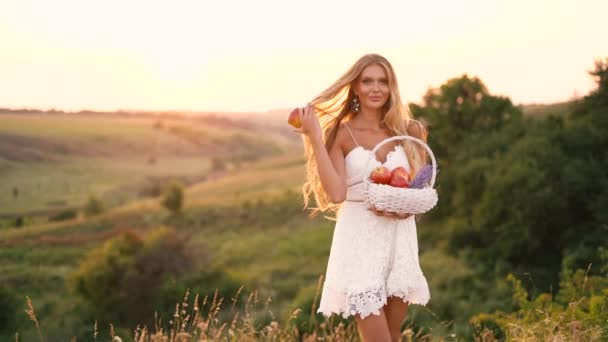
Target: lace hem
369	301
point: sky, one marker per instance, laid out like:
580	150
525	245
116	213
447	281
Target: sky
267	54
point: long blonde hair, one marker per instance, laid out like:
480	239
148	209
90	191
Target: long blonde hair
335	103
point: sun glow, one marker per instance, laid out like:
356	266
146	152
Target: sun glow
255	56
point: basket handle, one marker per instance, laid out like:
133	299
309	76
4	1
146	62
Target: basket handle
401	137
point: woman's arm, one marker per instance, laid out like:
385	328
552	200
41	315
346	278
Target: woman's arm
330	165
331	169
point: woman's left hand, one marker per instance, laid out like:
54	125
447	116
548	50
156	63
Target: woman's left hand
310	122
388	213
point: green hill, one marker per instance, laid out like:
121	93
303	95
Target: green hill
54	162
542	110
38	259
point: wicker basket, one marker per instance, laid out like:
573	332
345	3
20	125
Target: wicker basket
400	200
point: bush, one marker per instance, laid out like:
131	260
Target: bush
63	215
8	308
578	314
19	221
203	283
122	278
94	206
173	198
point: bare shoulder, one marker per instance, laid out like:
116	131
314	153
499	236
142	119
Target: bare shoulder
342	136
416	129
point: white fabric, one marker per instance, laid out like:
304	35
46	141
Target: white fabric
371	256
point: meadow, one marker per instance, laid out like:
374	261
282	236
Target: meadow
52	162
242	260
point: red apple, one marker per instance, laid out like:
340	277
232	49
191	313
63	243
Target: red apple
401	171
380	175
294	119
400	178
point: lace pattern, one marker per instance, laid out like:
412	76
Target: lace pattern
366	302
372	257
370	301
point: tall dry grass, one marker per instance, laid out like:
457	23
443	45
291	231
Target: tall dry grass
201	321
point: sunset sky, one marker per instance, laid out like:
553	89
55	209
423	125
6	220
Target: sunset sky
266	54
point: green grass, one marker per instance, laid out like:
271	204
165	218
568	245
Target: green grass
278	256
74	126
58	161
137	130
249	221
47	186
251	182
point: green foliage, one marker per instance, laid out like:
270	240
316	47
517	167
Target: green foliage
121	279
8	307
301	309
459	109
519	195
21	221
173	197
207	282
94	206
579	313
63	215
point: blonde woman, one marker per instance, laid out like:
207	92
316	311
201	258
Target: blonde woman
373	272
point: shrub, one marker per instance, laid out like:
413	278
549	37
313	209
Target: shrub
8	308
173	197
94	206
121	279
63	215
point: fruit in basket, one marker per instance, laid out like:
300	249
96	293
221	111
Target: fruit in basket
380	175
294	119
400	178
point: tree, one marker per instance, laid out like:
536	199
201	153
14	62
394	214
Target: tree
94	206
122	279
532	194
460	110
174	197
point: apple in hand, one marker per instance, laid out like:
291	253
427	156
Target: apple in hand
380	175
400	178
294	119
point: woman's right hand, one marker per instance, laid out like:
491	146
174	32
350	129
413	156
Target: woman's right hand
388	213
310	122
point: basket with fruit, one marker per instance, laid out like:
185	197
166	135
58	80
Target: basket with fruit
396	191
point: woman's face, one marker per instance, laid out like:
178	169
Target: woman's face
372	87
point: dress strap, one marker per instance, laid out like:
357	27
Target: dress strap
351	134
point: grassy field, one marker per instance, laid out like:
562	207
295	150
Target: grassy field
244	223
249	223
38	259
52	186
49	163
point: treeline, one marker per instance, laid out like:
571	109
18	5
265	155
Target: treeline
520	195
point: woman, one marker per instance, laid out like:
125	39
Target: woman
373	270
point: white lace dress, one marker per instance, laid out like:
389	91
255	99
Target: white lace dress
371	256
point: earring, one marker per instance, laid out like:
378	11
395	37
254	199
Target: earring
356	105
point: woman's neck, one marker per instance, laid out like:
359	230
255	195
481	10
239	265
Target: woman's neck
369	120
